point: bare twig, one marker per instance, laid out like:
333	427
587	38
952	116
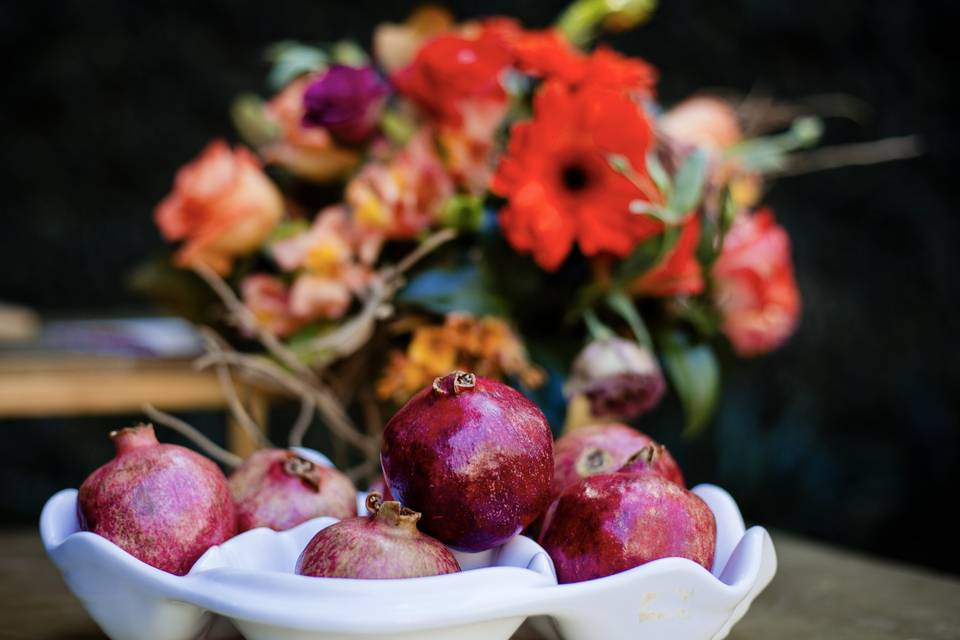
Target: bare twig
865	153
327	405
248	322
364	470
208	446
239	412
354	333
304	419
425	248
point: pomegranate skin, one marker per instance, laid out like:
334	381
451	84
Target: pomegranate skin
161	503
604	448
474	456
277	489
382	546
614	522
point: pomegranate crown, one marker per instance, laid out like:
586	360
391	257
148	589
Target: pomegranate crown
454	383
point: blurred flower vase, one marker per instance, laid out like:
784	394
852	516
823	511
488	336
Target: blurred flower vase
484	197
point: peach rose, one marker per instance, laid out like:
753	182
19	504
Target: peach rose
400	197
309	152
755	288
222	205
705	121
269	300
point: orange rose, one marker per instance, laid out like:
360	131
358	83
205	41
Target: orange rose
222	205
309	152
755	288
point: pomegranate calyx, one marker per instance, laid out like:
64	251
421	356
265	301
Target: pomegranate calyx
303	469
643	458
454	383
132	438
391	512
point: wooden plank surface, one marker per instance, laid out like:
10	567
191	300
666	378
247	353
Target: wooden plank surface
37	387
819	592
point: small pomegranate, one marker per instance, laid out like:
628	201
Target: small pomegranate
278	489
604	448
474	456
161	503
384	545
613	522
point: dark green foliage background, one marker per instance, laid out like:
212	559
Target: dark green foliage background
848	434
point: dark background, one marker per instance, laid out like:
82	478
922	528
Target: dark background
849	434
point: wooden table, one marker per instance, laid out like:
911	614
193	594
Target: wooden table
46	386
819	592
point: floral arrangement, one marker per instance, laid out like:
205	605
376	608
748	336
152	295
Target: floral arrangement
486	197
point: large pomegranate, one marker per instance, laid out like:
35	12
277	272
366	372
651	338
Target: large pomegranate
384	545
161	503
279	489
613	522
474	456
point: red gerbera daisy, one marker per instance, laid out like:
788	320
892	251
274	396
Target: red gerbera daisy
558	180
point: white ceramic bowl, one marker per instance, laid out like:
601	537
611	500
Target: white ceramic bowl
247	584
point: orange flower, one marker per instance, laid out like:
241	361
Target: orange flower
452	70
222	205
548	54
679	273
755	288
309	152
487	346
269	300
400	197
332	259
557	176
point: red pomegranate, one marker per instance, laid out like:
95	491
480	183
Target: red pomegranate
384	545
474	456
161	503
604	448
613	522
278	489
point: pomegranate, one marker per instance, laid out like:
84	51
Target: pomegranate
278	489
604	448
613	522
384	545
474	456
161	503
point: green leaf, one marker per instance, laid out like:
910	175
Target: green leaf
292	59
463	212
287	229
623	306
349	53
658	174
398	127
688	184
251	122
444	290
695	375
647	254
769	153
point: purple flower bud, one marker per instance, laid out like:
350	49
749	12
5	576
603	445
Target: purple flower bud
346	101
620	378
